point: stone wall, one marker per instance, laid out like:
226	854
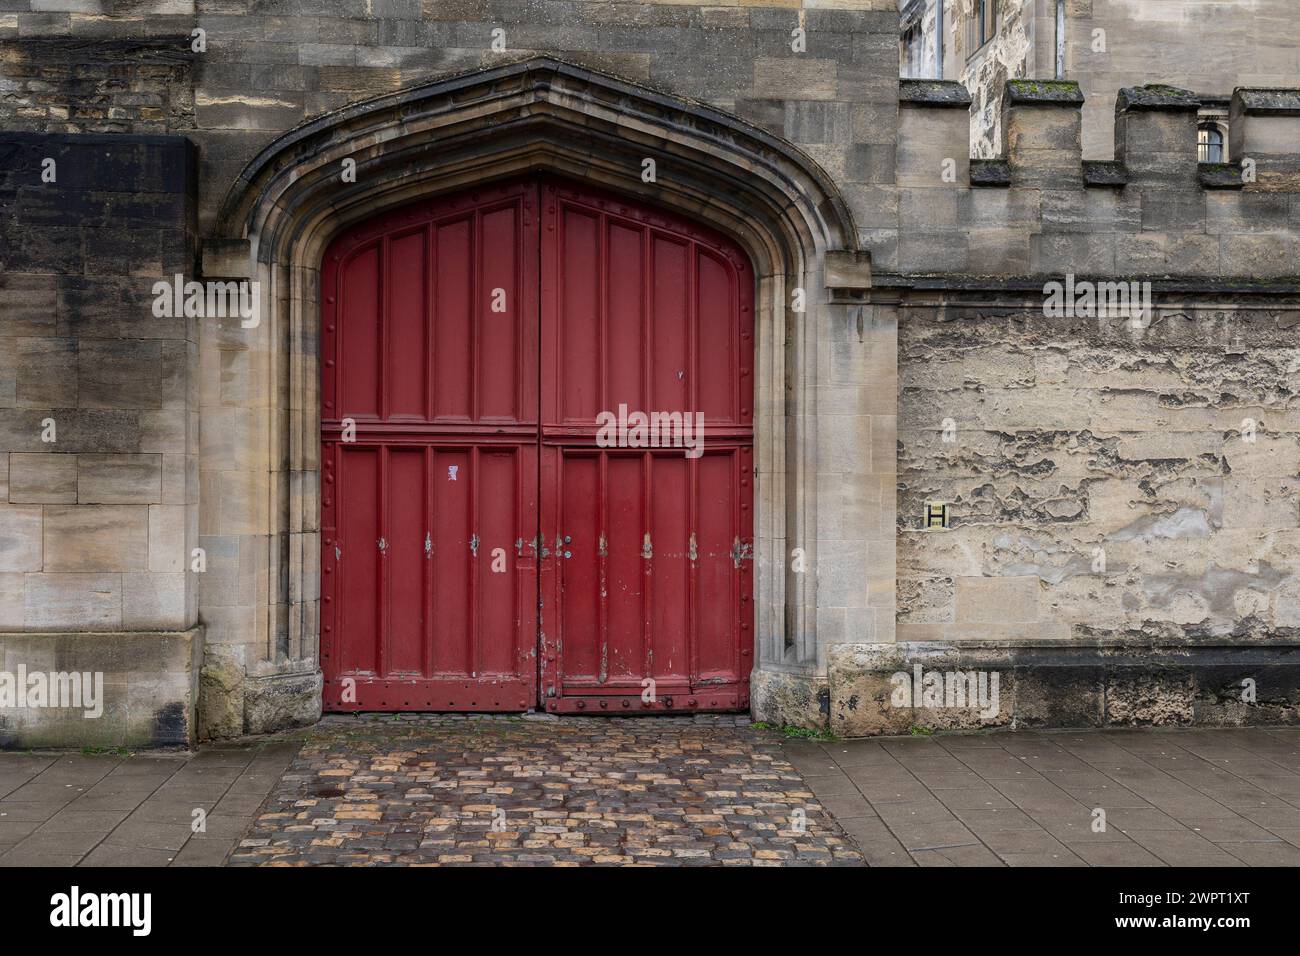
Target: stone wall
1014	52
1041	210
85	84
1207	46
1123	488
233	77
1105	481
98	427
924	272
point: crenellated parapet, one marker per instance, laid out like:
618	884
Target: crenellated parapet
1265	126
1040	208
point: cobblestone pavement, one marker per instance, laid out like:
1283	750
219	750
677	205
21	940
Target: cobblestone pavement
388	789
1180	797
703	790
80	809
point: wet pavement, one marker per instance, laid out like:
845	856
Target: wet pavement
688	791
1227	797
146	809
391	790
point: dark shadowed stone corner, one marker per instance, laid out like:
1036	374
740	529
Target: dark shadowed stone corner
1066	684
1220	175
1104	172
990	172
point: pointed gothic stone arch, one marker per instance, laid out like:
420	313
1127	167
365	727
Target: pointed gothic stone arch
536	114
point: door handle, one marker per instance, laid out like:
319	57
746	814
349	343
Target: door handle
383	545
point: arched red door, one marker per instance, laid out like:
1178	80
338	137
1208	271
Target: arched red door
501	528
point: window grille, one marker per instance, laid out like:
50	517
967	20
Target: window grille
1209	143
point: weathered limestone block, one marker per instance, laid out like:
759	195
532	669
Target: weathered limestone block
138	689
1041	130
1264	127
789	699
42	479
71	601
1155	135
96	537
20	538
1075	684
119	479
221	693
883	689
795	78
151	600
46	373
280	701
933	134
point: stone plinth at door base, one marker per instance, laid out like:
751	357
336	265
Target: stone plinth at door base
789	699
896	688
281	701
237	699
107	689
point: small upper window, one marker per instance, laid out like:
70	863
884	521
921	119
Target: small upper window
1209	143
912	39
913	50
982	25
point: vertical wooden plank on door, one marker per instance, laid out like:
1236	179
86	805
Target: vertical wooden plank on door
358	577
405	560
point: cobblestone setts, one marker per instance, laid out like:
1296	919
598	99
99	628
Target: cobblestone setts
393	790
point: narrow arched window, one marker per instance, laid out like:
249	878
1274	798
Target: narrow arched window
982	25
1209	143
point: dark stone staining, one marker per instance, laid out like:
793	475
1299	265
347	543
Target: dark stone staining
1279	102
1044	93
990	172
942	93
97	85
1156	97
170	725
1220	175
1104	172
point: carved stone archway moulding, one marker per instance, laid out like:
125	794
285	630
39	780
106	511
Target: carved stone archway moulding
536	114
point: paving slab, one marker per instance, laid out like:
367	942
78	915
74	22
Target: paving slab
129	810
1214	797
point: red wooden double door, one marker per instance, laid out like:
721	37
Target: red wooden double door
490	539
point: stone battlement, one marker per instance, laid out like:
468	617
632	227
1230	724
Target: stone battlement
1041	209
